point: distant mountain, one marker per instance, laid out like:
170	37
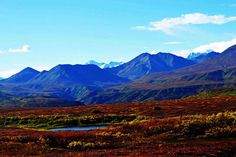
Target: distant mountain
1	78
147	63
99	64
196	54
21	77
202	57
63	81
71	75
105	65
219	72
155	77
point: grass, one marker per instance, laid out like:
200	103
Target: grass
217	92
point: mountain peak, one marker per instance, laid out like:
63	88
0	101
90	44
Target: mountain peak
144	54
29	69
147	63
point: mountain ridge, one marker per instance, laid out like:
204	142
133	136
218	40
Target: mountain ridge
147	63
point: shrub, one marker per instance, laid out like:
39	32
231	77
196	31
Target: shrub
199	124
221	132
78	145
96	112
119	135
75	145
156	108
193	127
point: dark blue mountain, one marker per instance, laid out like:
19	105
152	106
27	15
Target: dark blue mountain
147	63
21	77
202	57
72	75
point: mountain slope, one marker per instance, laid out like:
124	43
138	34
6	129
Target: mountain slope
21	77
147	63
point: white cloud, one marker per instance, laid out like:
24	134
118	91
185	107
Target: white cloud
23	49
153	52
215	46
233	5
167	25
172	43
10	72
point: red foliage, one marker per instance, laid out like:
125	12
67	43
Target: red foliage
136	139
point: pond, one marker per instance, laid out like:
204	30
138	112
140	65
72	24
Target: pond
80	128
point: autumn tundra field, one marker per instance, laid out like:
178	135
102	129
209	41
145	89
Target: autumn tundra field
200	125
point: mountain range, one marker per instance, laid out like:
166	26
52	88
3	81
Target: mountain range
144	78
218	72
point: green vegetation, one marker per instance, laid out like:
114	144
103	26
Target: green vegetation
51	121
216	92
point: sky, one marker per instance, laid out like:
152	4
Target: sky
44	33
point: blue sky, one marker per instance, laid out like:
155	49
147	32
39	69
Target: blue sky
44	33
